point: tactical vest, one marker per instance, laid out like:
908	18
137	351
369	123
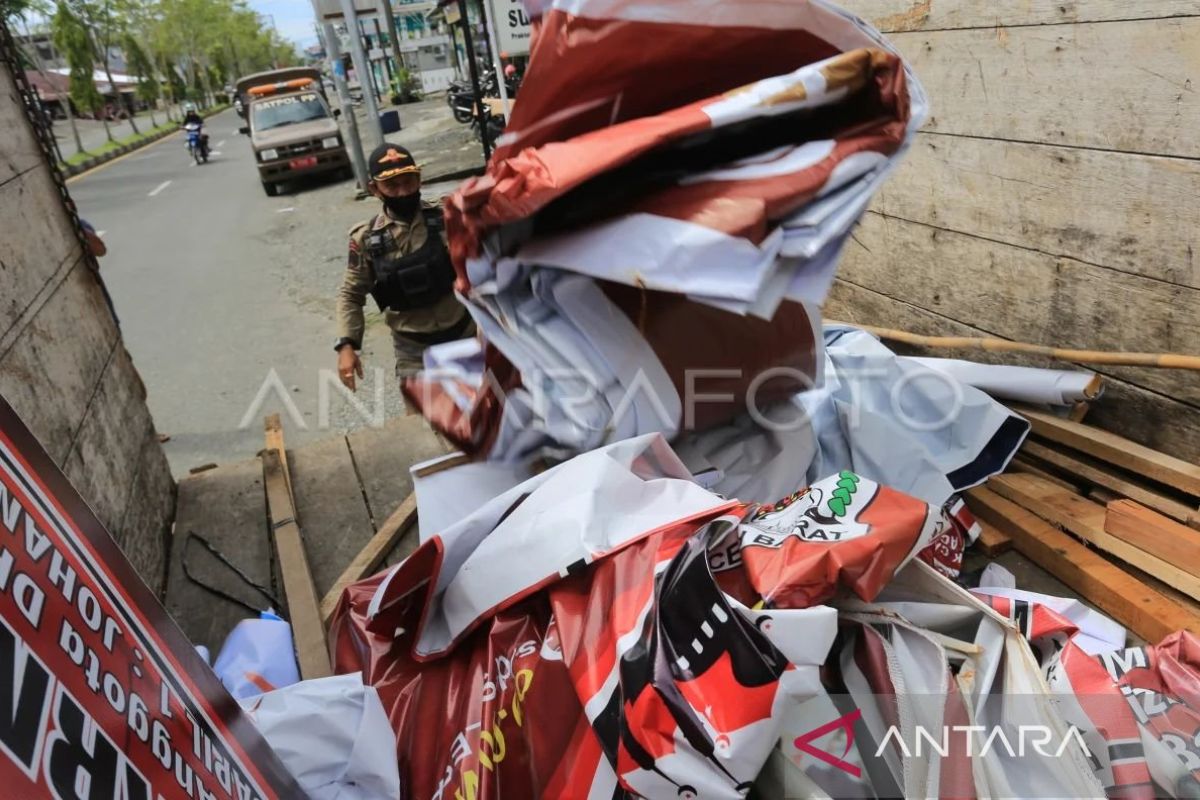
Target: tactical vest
417	280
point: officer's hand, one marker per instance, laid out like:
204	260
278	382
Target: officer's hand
349	365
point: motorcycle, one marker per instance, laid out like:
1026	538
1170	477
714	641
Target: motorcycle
491	127
461	99
197	142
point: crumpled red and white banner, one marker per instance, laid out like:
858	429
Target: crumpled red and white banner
671	195
661	667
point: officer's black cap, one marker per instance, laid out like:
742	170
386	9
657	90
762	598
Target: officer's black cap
389	160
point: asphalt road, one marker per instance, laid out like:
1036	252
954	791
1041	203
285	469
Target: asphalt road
219	287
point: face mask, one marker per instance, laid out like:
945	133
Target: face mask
403	207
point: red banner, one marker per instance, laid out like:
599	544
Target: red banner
102	697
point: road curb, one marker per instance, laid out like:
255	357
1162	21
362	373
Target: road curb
89	164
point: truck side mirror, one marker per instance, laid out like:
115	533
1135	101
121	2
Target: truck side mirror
244	130
337	112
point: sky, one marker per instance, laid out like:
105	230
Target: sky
293	18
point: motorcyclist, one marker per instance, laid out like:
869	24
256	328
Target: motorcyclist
191	117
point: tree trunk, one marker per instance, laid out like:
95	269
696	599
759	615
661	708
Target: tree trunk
117	93
74	127
66	101
168	87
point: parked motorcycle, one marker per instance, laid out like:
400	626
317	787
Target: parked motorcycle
197	142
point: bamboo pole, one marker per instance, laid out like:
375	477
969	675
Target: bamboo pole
993	345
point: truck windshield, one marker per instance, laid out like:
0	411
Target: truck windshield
289	110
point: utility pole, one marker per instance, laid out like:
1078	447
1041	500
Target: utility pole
333	54
365	76
494	45
475	87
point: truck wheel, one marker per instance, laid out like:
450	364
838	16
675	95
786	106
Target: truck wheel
271	189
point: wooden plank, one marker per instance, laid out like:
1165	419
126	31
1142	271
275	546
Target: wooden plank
1025	466
37	247
1146	612
304	610
1043	197
330	507
1065	85
145	529
109	452
1094	472
1154	533
373	554
21	150
991	541
1117	450
1030	296
1151	418
227	507
1085	519
50	370
891	16
273	439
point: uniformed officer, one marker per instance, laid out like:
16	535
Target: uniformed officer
398	257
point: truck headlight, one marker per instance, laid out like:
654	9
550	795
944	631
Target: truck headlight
270	154
332	141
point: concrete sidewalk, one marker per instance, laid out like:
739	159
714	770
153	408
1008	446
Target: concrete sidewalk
440	145
91	131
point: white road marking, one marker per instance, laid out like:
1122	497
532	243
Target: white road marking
100	234
221	143
214	152
159	188
285	210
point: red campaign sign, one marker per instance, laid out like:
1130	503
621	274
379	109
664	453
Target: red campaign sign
102	697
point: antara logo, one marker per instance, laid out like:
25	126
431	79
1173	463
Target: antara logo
804	742
977	740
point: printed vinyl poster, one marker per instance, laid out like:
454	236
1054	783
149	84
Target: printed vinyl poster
101	695
512	26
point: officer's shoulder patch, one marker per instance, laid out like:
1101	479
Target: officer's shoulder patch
357	230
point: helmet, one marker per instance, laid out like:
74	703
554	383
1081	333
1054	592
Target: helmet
189	106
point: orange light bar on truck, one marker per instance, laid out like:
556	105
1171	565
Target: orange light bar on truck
276	88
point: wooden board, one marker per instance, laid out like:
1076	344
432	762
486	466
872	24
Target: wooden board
1029	296
37	247
1107	86
1095	472
1117	450
892	16
21	150
108	443
1153	419
144	531
227	507
402	520
1155	534
1146	612
991	541
330	508
304	612
1022	465
1085	519
1043	197
273	440
51	369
